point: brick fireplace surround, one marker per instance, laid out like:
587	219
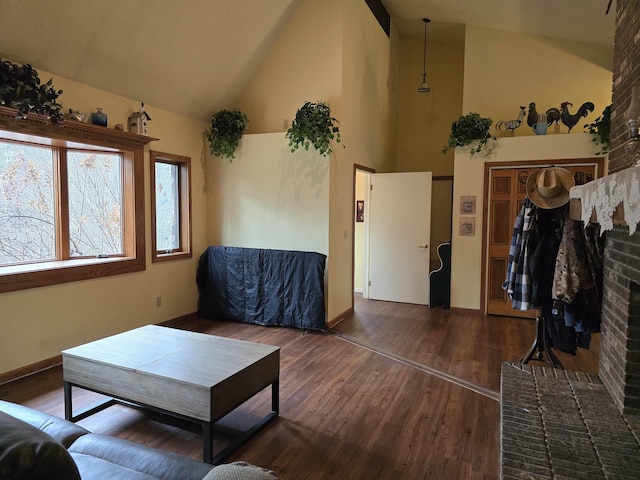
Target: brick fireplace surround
557	424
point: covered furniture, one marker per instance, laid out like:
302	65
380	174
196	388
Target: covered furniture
37	446
262	286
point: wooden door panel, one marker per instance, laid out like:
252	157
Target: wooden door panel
498	272
502	226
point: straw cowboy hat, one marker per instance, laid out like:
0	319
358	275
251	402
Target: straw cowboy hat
549	187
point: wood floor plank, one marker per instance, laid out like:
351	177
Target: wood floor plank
346	411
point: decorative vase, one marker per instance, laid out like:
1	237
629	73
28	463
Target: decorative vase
540	128
99	118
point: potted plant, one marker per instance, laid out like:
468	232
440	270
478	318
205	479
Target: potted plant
315	126
600	130
20	88
467	129
227	128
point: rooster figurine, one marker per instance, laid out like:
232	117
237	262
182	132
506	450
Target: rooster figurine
553	115
532	117
511	125
571	120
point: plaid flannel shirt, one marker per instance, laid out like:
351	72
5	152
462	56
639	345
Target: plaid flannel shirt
518	282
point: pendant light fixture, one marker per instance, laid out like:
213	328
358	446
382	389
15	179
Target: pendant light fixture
424	87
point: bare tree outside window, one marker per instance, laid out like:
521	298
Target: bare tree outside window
29	192
167	207
95	197
27	213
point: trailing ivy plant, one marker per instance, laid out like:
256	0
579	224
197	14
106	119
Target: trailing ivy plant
467	129
600	130
227	128
20	88
314	126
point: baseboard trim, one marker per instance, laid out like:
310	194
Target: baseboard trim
27	370
467	311
335	320
174	322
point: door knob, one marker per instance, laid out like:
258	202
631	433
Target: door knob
424	245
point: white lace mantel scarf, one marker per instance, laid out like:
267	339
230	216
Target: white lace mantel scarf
606	193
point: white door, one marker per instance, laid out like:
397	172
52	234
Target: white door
400	229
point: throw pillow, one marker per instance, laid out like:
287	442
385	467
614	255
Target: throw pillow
240	471
27	453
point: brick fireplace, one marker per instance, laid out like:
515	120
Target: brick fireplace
561	424
620	347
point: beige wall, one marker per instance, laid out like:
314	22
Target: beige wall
504	70
304	64
36	324
269	198
365	128
423	121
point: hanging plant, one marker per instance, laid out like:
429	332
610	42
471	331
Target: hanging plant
600	130
313	126
227	128
467	129
20	88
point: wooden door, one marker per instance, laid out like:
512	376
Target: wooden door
506	194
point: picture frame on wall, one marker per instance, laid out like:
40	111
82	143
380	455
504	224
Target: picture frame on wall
468	205
467	226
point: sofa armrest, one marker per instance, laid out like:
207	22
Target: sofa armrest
102	456
27	453
61	430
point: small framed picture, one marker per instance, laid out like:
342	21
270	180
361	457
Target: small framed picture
359	210
468	205
468	226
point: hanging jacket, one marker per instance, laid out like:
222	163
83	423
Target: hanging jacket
518	281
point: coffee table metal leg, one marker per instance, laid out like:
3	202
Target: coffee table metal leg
207	439
68	406
275	395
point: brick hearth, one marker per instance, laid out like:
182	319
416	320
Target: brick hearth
557	424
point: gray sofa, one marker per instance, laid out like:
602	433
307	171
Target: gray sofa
35	445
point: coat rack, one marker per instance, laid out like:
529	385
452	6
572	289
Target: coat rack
540	346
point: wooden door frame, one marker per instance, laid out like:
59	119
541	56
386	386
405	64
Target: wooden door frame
488	166
369	170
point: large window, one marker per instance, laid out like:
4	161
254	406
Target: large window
71	204
170	206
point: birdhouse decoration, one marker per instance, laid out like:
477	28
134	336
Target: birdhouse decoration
138	122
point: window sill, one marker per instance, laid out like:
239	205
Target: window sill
166	257
22	277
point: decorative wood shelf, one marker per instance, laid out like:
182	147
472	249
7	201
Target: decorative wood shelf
38	125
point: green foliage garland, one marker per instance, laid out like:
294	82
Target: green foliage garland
315	126
600	129
227	128
20	88
467	129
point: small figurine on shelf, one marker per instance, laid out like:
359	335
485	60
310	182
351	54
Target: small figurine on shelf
99	117
75	115
138	121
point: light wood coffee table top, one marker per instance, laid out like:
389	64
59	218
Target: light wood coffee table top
195	375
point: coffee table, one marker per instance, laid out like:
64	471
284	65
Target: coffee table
188	375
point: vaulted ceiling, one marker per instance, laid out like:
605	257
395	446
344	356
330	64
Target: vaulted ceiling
194	57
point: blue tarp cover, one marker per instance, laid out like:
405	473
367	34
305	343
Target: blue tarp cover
261	286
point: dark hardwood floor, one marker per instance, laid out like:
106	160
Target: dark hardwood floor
396	392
